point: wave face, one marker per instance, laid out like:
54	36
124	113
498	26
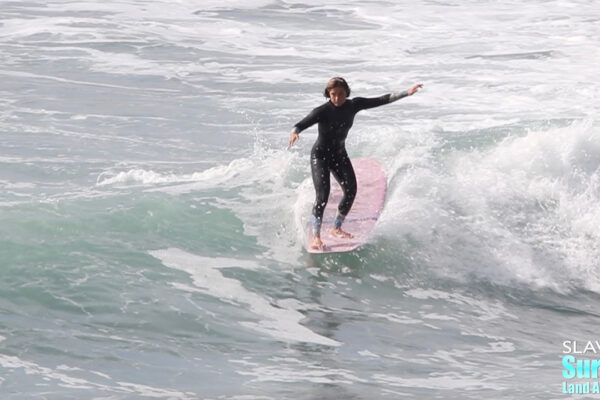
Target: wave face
151	218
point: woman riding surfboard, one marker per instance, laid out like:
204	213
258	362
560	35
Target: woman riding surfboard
328	154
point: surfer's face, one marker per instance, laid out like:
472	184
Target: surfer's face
338	96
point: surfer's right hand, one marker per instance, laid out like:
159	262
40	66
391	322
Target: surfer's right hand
293	137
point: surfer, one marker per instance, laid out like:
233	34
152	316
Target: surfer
328	154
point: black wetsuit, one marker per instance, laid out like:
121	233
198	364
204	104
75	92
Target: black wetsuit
329	151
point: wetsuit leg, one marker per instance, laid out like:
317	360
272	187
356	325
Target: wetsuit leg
342	171
319	165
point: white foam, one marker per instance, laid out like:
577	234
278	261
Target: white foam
280	320
522	210
441	381
288	370
150	391
367	353
65	380
11	362
397	319
210	178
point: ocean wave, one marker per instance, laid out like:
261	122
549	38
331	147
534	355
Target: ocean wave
525	210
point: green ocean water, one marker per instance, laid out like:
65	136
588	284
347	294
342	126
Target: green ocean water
151	217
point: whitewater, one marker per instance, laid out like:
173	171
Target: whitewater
151	217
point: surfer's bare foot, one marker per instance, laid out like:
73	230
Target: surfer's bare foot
317	243
340	233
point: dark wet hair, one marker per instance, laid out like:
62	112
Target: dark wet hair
336	82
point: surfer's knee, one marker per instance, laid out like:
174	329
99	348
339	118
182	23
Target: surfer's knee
350	192
320	203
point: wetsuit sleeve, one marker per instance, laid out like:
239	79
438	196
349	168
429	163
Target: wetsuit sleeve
308	121
398	96
362	103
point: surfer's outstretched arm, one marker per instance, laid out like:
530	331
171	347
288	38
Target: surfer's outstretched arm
409	92
364	103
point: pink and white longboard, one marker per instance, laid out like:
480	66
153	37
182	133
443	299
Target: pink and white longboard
368	204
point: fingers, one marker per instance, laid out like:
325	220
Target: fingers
415	88
293	138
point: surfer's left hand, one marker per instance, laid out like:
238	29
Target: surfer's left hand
414	89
